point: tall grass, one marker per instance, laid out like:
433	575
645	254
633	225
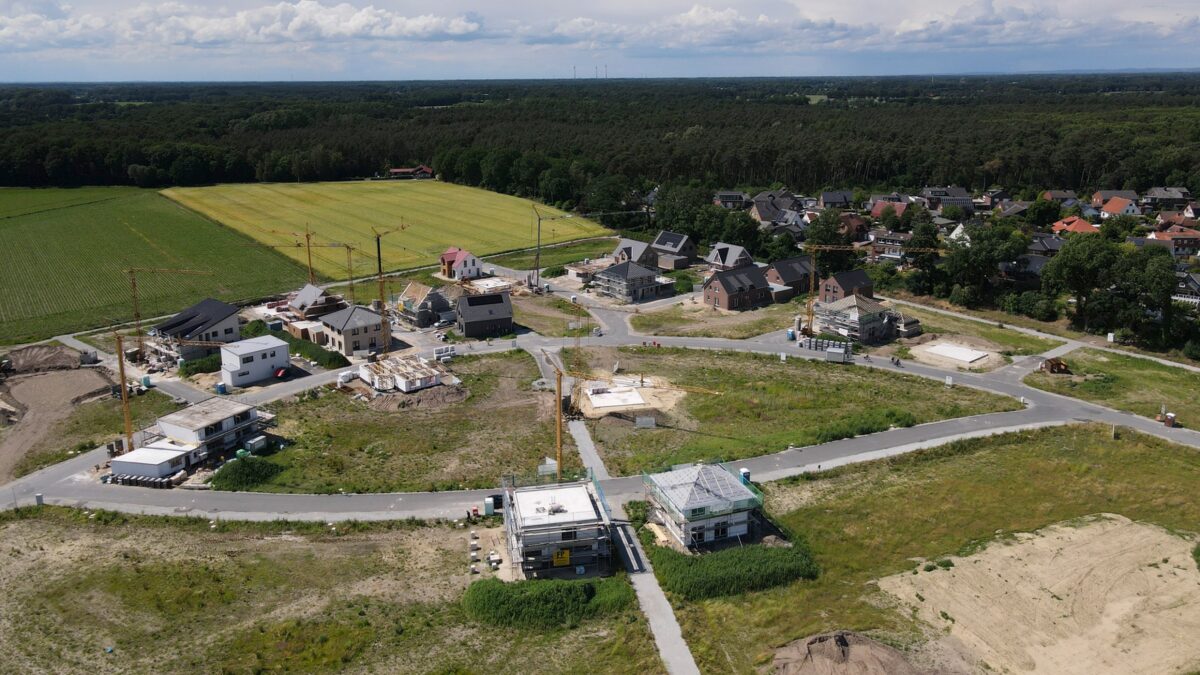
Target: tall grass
732	571
545	604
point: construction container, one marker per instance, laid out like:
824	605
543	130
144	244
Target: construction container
489	507
837	355
257	443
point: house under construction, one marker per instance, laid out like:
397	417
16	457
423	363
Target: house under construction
402	373
560	530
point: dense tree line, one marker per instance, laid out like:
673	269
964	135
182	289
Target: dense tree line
603	143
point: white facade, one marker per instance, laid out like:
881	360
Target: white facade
151	462
469	267
253	360
216	423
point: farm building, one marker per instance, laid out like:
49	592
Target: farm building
208	320
312	302
486	315
703	504
191	436
401	373
419	172
254	360
354	329
631	282
558	530
460	265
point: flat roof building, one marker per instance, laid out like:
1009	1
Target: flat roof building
254	360
558	530
702	504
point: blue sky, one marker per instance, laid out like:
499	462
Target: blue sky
105	40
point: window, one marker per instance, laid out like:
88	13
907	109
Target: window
696	513
568	535
354	331
698	535
247	359
720	530
176	462
211	429
272	354
229	331
244	373
241	417
262	357
356	347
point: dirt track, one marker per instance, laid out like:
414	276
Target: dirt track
47	400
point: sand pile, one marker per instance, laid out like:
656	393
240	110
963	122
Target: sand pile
840	653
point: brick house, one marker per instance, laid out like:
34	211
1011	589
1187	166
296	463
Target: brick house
845	284
738	289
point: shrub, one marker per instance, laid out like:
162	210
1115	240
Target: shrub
545	604
303	348
555	271
244	473
207	364
945	563
1192	350
929	567
732	571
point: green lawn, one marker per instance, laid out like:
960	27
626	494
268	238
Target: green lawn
61	266
342	444
766	405
277	597
551	316
1137	385
1011	342
696	320
437	215
90	425
868	521
556	255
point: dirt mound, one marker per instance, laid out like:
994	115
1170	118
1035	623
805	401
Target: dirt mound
840	653
46	400
40	358
434	397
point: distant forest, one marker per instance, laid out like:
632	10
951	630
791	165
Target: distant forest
594	143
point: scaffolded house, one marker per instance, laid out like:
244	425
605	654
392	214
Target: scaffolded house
558	530
703	504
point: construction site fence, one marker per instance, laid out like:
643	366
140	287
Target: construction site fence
817	344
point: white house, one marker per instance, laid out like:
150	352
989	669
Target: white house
188	437
149	461
460	264
702	504
208	320
253	360
1119	206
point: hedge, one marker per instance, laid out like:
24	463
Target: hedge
244	473
207	364
297	347
545	604
732	571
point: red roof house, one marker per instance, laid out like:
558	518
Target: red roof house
1075	225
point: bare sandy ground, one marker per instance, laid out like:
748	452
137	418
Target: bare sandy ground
47	400
840	653
1102	595
992	361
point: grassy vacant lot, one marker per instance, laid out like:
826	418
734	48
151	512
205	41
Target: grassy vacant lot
550	316
871	520
64	252
766	405
1128	383
1009	341
270	597
90	425
342	444
438	215
556	255
697	320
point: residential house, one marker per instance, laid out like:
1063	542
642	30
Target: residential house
632	250
312	302
852	225
1166	219
836	199
1060	196
733	200
795	273
675	251
422	306
485	315
419	172
1166	198
1012	209
1044	245
1101	197
254	360
631	282
1074	225
354	330
208	320
845	284
728	256
189	437
703	505
1188	288
861	319
1192	211
1185	242
738	289
1027	267
894	198
459	264
1119	206
881	207
939	198
770	207
994	198
959	235
559	530
888	245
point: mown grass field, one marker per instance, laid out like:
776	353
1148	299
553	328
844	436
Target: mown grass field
557	255
1011	342
438	215
1129	383
867	521
696	320
273	597
64	252
766	405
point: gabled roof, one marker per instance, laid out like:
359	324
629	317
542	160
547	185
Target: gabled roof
626	270
450	254
1105	195
854	306
1168	193
897	207
1059	195
456	256
1176	232
702	487
352	317
837	196
306	296
1044	243
793	270
852	279
632	248
741	279
485	307
1074	224
726	254
948	192
196	319
670	241
1115	205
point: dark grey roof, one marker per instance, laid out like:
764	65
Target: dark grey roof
355	316
196	319
485	307
837	196
670	241
1168	193
1026	264
793	270
1045	243
949	192
626	270
741	279
852	279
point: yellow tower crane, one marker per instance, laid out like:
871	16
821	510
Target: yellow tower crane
383	307
132	272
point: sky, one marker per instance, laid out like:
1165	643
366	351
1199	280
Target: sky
122	40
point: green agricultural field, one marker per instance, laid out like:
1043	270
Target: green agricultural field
438	215
557	255
1137	385
872	520
64	251
766	405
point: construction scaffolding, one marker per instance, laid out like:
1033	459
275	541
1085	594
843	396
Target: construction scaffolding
557	530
